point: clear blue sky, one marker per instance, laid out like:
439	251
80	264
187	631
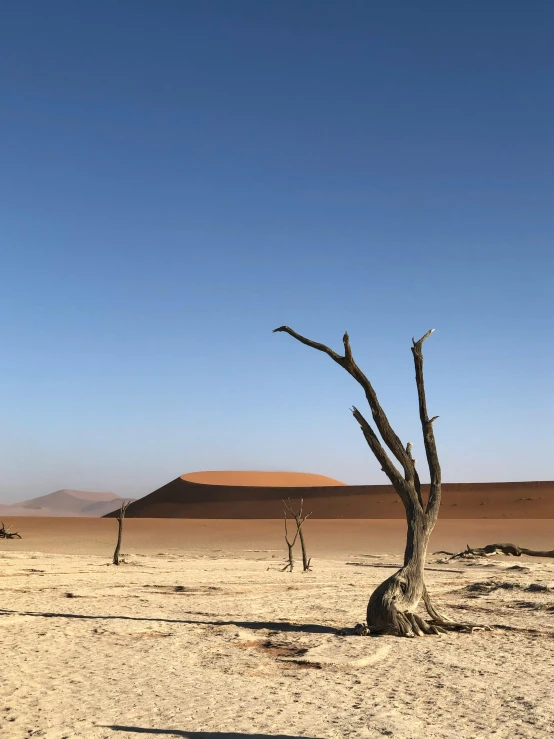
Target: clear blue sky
179	177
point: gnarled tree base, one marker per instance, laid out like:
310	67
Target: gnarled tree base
392	610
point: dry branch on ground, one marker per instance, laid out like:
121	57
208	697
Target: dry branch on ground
491	549
5	533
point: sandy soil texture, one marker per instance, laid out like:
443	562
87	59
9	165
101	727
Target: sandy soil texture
222	645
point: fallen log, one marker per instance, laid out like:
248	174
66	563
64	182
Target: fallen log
492	549
5	533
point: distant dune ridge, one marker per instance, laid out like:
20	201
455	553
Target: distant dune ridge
64	503
244	478
244	495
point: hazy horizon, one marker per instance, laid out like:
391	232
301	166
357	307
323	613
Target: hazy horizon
181	178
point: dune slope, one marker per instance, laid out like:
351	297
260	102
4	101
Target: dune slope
182	498
64	503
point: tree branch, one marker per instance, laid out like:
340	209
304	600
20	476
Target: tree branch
417	483
427	428
314	344
384	460
293	542
298	517
381	421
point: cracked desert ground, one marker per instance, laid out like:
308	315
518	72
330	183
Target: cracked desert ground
200	635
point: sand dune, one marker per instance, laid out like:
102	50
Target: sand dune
185	497
64	503
254	478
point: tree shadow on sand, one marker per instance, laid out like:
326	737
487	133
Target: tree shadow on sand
202	734
271	625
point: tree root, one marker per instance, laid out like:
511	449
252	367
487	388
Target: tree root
410	624
445	623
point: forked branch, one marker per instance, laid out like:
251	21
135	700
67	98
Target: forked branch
290	544
408	486
382	457
347	362
299	518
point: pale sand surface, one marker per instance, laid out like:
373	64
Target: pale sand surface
242	650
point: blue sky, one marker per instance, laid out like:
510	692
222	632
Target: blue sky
178	178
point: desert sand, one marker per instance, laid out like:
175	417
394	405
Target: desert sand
200	635
208	536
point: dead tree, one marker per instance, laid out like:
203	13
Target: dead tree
290	564
5	533
123	510
492	549
392	606
300	518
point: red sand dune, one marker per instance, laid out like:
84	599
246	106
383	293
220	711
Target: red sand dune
260	479
185	498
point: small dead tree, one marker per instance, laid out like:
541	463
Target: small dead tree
5	533
290	544
300	518
122	511
392	605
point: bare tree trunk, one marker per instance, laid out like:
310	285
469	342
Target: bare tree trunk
305	559
290	565
300	518
120	518
290	544
392	605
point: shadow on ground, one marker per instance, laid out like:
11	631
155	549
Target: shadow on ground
201	734
271	625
